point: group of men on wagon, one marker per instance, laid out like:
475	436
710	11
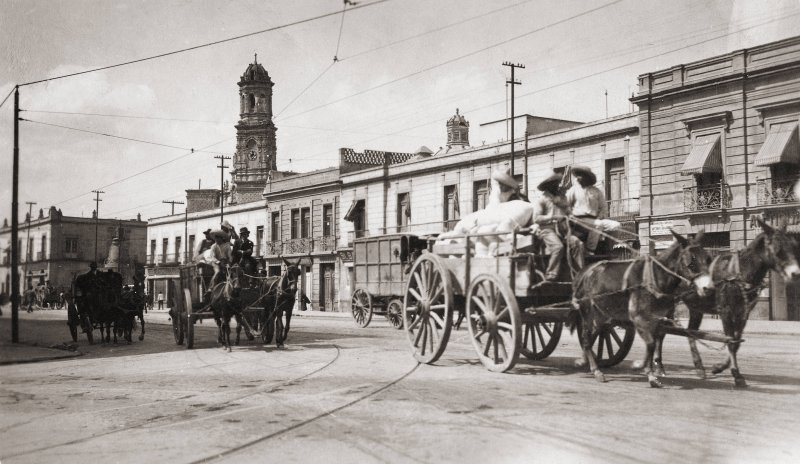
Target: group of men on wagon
582	201
222	247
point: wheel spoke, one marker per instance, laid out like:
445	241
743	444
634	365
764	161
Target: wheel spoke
413	291
434	335
437	319
419	332
424	330
503	313
600	347
616	336
439	306
480	303
506	325
416	322
608	346
479	334
539	333
548	330
437	292
502	343
496	348
488	346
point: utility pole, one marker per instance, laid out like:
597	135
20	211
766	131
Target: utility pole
606	103
173	203
513	83
28	238
97	201
186	234
222	167
15	226
525	174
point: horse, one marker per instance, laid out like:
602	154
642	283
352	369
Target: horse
738	278
97	300
639	290
281	291
225	305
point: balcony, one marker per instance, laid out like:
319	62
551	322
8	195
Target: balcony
41	256
298	246
623	209
273	248
327	243
775	191
706	198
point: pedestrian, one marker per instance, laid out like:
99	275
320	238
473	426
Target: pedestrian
160	301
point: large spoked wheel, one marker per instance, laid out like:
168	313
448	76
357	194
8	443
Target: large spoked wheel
427	308
177	326
187	298
612	343
394	313
494	322
361	307
539	339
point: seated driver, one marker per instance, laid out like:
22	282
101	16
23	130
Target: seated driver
221	255
549	208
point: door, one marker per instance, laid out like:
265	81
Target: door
326	287
778	296
615	186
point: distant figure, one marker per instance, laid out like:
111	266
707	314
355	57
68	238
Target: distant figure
160	301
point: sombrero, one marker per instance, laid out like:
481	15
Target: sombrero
584	171
554	179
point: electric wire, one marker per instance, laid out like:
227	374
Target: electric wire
9	94
453	60
341	28
208	44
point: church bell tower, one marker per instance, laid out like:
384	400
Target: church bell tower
255	135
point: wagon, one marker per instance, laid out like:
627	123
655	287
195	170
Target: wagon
509	308
380	266
189	308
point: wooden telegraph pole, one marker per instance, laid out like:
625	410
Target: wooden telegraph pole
173	203
513	83
15	226
97	201
222	167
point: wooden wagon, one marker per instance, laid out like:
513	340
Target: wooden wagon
380	266
190	308
509	308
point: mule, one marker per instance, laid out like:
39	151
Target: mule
641	291
279	293
738	277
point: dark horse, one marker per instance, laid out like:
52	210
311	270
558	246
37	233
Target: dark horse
640	291
275	294
738	278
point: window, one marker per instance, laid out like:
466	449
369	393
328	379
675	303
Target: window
480	194
191	247
152	251
259	239
251	101
275	226
30	250
403	211
295	232
71	248
164	250
451	212
327	220
716	242
305	222
357	214
44	246
177	248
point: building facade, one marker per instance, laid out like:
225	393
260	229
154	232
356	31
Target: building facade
719	144
427	194
56	248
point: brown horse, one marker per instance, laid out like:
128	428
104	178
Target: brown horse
738	278
641	291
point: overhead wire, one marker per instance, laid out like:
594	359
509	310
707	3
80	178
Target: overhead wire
9	94
453	60
208	44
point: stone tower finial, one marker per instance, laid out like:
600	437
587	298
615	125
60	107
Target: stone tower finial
457	131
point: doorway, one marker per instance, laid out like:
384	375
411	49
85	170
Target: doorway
326	286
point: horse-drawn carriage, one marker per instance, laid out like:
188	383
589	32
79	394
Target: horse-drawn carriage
509	307
257	303
380	268
100	301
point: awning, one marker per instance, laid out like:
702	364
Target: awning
354	207
780	146
704	157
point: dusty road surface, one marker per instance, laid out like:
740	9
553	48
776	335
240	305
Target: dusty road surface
340	394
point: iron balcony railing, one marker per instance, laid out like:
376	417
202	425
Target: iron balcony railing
706	198
776	191
273	248
623	209
327	243
298	246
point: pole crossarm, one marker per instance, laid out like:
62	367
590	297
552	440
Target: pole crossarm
173	203
222	167
97	201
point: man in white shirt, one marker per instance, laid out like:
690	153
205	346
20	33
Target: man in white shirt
548	209
588	203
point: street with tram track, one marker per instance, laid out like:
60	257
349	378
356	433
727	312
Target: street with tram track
346	394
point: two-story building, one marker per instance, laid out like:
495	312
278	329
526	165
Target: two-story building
56	248
426	193
719	144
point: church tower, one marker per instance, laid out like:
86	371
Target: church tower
457	131
255	136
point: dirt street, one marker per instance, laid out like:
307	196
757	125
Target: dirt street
343	394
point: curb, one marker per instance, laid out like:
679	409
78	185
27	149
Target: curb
63	354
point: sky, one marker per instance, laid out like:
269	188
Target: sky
403	68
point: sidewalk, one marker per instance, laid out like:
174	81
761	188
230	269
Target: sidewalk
11	353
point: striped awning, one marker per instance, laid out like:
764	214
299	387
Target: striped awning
780	146
705	156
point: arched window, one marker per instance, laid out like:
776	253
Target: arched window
252	74
262	101
251	103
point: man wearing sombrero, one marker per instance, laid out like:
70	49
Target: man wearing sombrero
221	254
587	202
548	209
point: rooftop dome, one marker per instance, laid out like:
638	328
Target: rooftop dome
457	119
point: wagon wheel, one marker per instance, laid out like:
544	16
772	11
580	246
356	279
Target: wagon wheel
394	312
427	308
187	299
539	339
361	307
494	322
611	343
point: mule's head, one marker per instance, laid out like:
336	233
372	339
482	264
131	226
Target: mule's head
694	262
779	250
291	277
